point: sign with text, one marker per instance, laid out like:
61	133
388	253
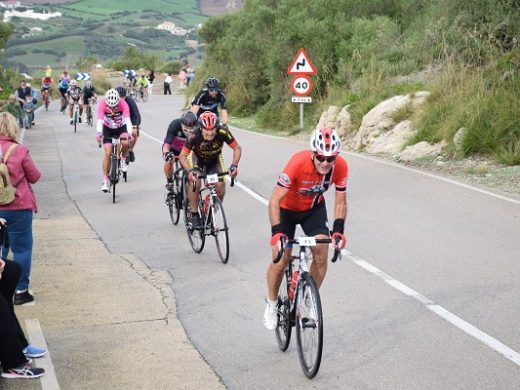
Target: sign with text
301	99
302	64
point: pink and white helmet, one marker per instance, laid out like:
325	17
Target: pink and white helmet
325	142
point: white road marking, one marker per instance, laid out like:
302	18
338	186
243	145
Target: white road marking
35	334
429	304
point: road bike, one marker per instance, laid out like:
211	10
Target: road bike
45	98
299	305
212	215
90	118
174	197
115	167
134	93
75	114
143	94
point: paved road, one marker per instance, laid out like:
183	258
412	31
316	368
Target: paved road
427	298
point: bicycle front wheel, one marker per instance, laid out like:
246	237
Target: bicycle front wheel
220	230
174	201
309	325
114	176
75	119
283	327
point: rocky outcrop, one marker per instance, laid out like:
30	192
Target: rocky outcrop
386	129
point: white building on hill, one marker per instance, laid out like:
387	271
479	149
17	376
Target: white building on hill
169	26
30	14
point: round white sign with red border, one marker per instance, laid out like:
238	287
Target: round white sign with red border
301	85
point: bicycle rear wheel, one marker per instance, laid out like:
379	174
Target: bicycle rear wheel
75	119
196	237
283	327
219	230
309	325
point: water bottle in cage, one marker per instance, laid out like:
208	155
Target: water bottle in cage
294	281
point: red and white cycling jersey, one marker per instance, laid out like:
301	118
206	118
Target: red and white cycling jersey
306	186
113	118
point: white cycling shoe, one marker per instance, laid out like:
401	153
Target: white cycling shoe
104	186
124	166
270	315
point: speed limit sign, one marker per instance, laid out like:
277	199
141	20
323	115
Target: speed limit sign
301	85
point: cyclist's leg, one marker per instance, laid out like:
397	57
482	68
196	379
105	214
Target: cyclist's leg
316	225
221	185
123	136
288	220
107	149
135	135
71	108
193	196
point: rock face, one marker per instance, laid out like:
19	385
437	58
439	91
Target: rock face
382	129
337	119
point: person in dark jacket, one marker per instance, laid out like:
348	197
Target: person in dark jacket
135	117
151	78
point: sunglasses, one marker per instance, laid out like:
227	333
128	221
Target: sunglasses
321	159
213	90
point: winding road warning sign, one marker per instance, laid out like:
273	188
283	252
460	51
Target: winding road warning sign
302	64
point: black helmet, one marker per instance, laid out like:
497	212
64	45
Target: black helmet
189	119
121	91
212	83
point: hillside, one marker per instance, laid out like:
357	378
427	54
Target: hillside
104	29
465	53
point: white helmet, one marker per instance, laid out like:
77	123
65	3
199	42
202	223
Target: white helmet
325	142
112	97
73	82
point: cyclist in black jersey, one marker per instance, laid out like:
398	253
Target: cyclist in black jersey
135	117
209	99
89	92
205	144
74	95
175	139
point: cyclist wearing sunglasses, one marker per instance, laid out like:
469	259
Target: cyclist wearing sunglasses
209	98
297	199
176	135
205	144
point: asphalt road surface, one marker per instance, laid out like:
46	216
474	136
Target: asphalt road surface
427	297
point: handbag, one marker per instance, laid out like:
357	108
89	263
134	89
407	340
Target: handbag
7	191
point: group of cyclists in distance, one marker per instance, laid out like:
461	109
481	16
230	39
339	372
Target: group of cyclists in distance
196	139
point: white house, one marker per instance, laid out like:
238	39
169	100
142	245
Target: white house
30	14
169	26
10	4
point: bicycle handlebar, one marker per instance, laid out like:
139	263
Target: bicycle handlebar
285	242
201	176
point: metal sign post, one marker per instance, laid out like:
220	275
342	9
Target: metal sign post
301	84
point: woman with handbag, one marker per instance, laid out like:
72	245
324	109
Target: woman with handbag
18	210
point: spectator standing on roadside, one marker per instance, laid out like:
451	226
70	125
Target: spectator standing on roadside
19	213
151	78
167	84
190	76
182	78
21	92
14	109
16	351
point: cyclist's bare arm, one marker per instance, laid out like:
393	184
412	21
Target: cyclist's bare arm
274	204
340	205
237	153
183	159
224	115
195	108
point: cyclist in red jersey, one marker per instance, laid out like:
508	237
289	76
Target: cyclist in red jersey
298	199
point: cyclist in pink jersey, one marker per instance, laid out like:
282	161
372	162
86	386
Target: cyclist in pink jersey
113	122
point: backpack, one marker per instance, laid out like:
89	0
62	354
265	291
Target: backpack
7	190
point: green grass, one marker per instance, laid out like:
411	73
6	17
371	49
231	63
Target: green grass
40	59
95	8
71	45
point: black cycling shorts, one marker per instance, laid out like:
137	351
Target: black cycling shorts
109	133
211	167
313	222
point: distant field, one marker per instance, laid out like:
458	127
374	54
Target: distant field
72	45
104	7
